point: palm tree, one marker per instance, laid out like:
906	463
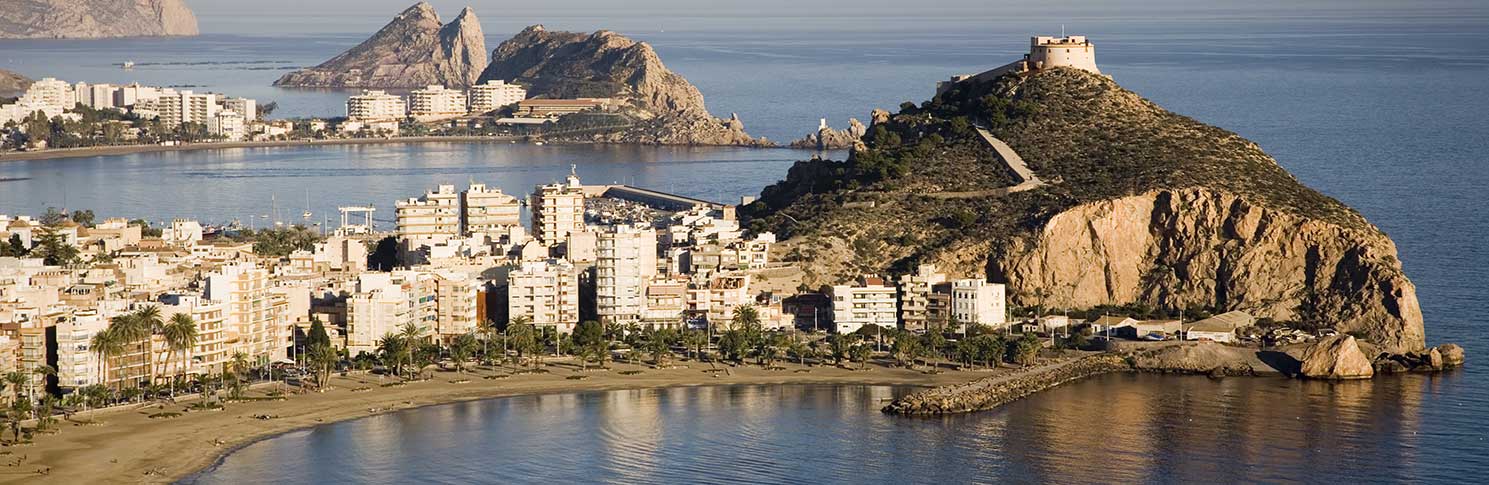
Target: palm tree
461	350
487	329
106	344
412	335
180	337
41	370
239	364
392	346
17	382
148	321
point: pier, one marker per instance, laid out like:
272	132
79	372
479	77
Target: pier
660	200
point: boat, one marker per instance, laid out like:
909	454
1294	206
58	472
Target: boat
128	65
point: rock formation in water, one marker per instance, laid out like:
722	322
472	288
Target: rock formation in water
1337	357
1138	206
94	19
412	51
12	84
826	138
658	105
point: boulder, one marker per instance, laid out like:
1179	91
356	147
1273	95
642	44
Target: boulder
1434	359
1336	357
1389	366
1452	355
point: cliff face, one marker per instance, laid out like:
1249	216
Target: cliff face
95	19
662	106
1141	207
412	51
12	84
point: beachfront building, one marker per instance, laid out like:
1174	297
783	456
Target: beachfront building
375	105
495	94
77	364
383	303
255	318
228	124
455	309
626	260
546	293
211	350
436	102
247	108
198	107
486	210
666	303
544	108
558	209
718	298
975	301
916	295
870	301
429	220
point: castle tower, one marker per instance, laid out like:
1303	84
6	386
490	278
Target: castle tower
1070	51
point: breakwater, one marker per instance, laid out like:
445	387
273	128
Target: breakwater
991	392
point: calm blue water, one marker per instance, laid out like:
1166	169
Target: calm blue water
1379	105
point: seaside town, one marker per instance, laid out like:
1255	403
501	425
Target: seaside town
52	113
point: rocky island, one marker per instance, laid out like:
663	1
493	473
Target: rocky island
414	50
95	19
657	105
1078	193
827	138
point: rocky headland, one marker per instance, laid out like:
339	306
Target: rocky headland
95	19
657	105
827	138
414	50
1133	205
13	84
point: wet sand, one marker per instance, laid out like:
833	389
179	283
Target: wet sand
127	446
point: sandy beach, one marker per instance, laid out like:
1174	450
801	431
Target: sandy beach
132	149
127	446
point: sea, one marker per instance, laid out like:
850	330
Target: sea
1378	104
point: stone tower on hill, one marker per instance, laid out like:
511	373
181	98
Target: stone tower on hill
1044	53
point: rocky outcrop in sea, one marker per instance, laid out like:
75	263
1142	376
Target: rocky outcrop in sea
414	50
94	19
662	107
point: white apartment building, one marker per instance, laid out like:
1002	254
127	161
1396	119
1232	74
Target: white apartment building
77	365
49	96
134	93
626	260
198	107
375	105
436	102
486	210
546	292
980	302
494	95
431	219
558	209
717	299
255	319
384	302
869	302
247	108
211	350
228	124
455	307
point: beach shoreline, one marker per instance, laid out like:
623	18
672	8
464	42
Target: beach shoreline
193	442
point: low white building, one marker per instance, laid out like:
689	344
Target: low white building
869	302
975	301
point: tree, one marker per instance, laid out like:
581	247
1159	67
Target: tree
487	329
990	348
522	337
43	372
839	345
54	249
1024	350
461	350
14	247
695	340
53	217
106	344
906	349
798	348
321	357
860	353
391	349
659	345
180	337
317	334
83	217
238	369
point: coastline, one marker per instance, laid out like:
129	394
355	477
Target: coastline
195	441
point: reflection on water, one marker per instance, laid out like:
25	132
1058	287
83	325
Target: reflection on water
1118	428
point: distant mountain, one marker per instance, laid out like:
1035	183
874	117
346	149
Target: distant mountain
663	107
414	50
12	84
94	19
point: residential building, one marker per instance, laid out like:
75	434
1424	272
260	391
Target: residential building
429	220
228	124
1219	328
383	303
558	209
916	290
666	303
717	299
976	301
77	364
434	102
255	319
546	293
375	105
626	260
868	302
247	108
494	95
488	211
542	108
455	305
198	107
211	350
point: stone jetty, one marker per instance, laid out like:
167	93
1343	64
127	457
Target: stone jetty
992	392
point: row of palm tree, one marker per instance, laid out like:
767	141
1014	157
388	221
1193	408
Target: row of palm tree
133	334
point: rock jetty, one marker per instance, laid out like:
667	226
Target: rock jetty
94	19
414	50
991	392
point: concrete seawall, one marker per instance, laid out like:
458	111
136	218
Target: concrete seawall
992	392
